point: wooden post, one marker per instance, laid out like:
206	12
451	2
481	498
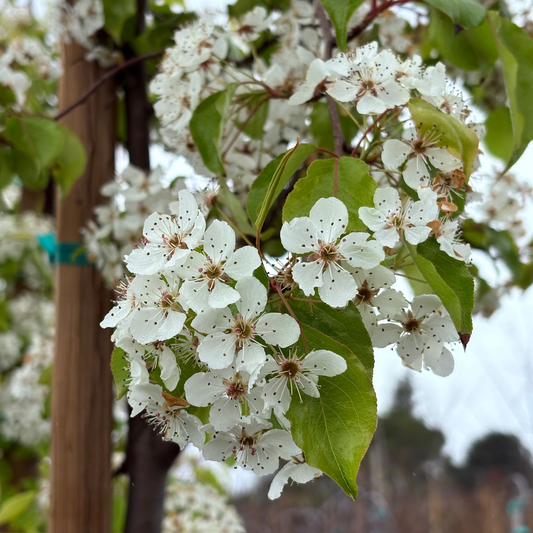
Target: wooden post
81	388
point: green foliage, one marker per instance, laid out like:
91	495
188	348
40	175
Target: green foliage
269	184
116	13
469	49
499	136
14	507
459	140
70	162
257	108
7	172
340	12
235	207
346	328
515	49
120	371
240	7
354	187
38	147
464	13
335	430
207	126
450	280
321	129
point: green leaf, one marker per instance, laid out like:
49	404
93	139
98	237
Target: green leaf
29	170
240	7
515	48
232	202
320	126
499	136
13	507
7	166
258	105
355	188
340	12
335	430
116	12
459	140
120	370
70	162
39	138
471	49
449	278
207	126
465	13
263	182
345	327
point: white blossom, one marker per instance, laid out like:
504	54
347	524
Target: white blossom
419	332
169	237
227	392
418	151
297	470
389	220
207	273
320	235
234	338
255	446
293	373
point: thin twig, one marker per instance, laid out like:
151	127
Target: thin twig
367	131
244	124
372	14
104	78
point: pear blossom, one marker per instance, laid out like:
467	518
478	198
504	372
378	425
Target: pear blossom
418	150
161	354
126	303
162	313
254	445
300	374
167	413
234	338
371	84
226	391
207	273
169	237
389	219
297	470
253	23
374	294
315	83
419	332
446	233
320	235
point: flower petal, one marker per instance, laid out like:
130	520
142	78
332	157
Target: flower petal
276	328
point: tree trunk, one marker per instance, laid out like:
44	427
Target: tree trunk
81	387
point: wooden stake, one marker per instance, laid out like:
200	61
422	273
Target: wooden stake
81	388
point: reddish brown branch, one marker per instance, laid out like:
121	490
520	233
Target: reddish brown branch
372	14
103	79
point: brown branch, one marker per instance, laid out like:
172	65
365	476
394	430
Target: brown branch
372	14
338	137
103	79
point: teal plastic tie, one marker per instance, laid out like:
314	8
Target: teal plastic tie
72	253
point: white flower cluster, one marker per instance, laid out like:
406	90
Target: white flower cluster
80	22
23	396
133	194
198	507
194	303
